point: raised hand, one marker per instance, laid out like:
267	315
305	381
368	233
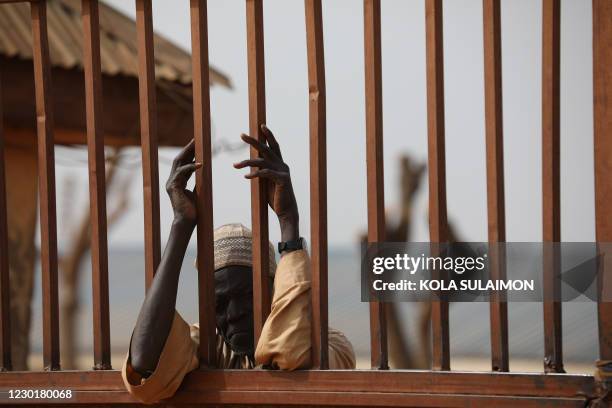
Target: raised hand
183	200
271	167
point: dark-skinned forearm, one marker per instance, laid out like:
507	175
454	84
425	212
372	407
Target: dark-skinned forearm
157	311
290	226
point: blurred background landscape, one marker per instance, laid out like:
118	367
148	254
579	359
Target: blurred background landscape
469	322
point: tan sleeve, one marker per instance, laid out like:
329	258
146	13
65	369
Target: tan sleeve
178	357
285	338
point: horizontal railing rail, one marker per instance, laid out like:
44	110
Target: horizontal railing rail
330	388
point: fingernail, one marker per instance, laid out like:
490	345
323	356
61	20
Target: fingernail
198	165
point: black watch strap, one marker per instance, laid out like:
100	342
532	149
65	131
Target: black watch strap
291	245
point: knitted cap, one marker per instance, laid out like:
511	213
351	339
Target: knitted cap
233	246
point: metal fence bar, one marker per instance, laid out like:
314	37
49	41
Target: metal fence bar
437	172
602	60
97	183
46	186
551	210
148	136
5	304
375	173
495	177
259	204
202	129
318	181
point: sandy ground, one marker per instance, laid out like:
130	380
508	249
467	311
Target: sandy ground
457	364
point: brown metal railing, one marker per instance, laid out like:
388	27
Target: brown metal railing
201	117
97	184
438	223
148	136
318	387
259	205
551	169
602	91
318	177
495	177
5	304
46	175
374	164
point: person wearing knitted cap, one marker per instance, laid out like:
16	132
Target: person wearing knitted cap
164	348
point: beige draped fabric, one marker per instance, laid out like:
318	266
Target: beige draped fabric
285	341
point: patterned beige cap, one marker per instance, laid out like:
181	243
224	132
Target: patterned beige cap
233	246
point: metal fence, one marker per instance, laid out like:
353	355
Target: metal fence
319	386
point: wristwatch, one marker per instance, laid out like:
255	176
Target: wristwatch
291	245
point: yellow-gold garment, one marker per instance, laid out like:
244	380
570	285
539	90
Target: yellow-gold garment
285	341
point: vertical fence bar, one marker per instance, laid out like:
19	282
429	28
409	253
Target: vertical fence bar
5	304
551	210
97	183
375	173
602	75
437	172
495	177
202	129
148	136
46	185
259	204
318	180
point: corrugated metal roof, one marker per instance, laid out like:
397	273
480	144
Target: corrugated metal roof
118	47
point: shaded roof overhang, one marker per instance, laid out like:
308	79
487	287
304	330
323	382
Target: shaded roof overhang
120	120
119	58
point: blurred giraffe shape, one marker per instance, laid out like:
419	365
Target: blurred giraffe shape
400	353
411	175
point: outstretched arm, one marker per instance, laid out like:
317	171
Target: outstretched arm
285	338
157	311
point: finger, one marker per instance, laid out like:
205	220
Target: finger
271	140
267	174
186	155
261	163
264	150
183	173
